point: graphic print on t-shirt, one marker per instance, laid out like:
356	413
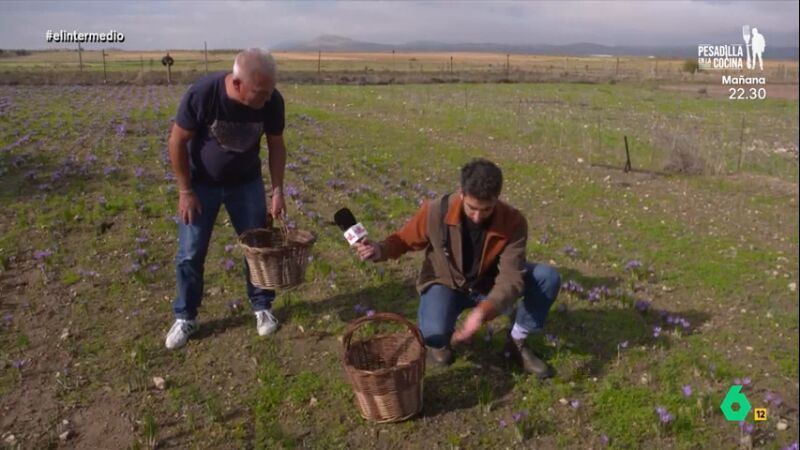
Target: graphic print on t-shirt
237	137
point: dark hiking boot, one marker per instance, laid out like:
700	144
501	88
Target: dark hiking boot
530	363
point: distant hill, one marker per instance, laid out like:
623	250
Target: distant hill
331	43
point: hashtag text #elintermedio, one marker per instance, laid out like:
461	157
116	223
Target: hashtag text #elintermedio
75	36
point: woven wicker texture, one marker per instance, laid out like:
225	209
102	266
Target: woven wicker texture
276	257
386	370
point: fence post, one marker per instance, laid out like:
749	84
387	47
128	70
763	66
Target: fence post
205	55
105	78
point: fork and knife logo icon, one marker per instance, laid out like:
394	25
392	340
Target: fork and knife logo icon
755	41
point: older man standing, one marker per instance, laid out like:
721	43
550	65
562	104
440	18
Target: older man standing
214	149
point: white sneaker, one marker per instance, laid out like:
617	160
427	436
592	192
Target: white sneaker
266	323
180	332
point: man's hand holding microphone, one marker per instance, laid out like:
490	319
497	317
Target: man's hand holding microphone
356	236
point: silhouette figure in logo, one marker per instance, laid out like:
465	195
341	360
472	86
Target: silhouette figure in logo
759	44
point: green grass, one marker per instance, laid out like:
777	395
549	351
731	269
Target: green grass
709	244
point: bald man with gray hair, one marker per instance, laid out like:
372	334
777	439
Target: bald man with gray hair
214	149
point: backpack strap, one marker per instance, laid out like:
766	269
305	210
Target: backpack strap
445	235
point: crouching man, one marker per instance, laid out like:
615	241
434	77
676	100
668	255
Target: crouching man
474	258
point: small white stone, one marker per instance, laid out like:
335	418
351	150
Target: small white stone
313	401
10	439
782	425
159	383
746	441
65	422
580	160
563	401
300	327
793	286
644	379
65	435
64	334
749	349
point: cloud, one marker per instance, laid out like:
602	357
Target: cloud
172	25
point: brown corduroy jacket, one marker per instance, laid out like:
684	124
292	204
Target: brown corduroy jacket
502	262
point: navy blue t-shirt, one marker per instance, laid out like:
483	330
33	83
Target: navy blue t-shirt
227	139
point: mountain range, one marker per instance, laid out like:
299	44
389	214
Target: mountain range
331	43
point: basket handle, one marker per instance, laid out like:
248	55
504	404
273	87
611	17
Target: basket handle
380	317
283	220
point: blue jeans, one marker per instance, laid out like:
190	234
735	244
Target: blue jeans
246	206
440	306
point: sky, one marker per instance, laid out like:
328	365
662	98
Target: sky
156	25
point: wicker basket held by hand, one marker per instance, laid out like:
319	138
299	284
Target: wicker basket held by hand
386	370
276	257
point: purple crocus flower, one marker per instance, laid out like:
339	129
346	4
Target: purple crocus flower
141	252
101	200
604	439
656	332
228	264
359	308
335	184
686	390
746	427
152	268
572	286
794	446
370	312
633	264
228	248
19	363
544	240
746	381
575	403
641	305
663	415
138	171
570	251
517	416
87	273
41	254
623	344
292	191
502	424
141	240
552	340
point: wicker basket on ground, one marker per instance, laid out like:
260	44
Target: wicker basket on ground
386	370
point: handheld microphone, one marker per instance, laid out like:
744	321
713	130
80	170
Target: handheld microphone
353	231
